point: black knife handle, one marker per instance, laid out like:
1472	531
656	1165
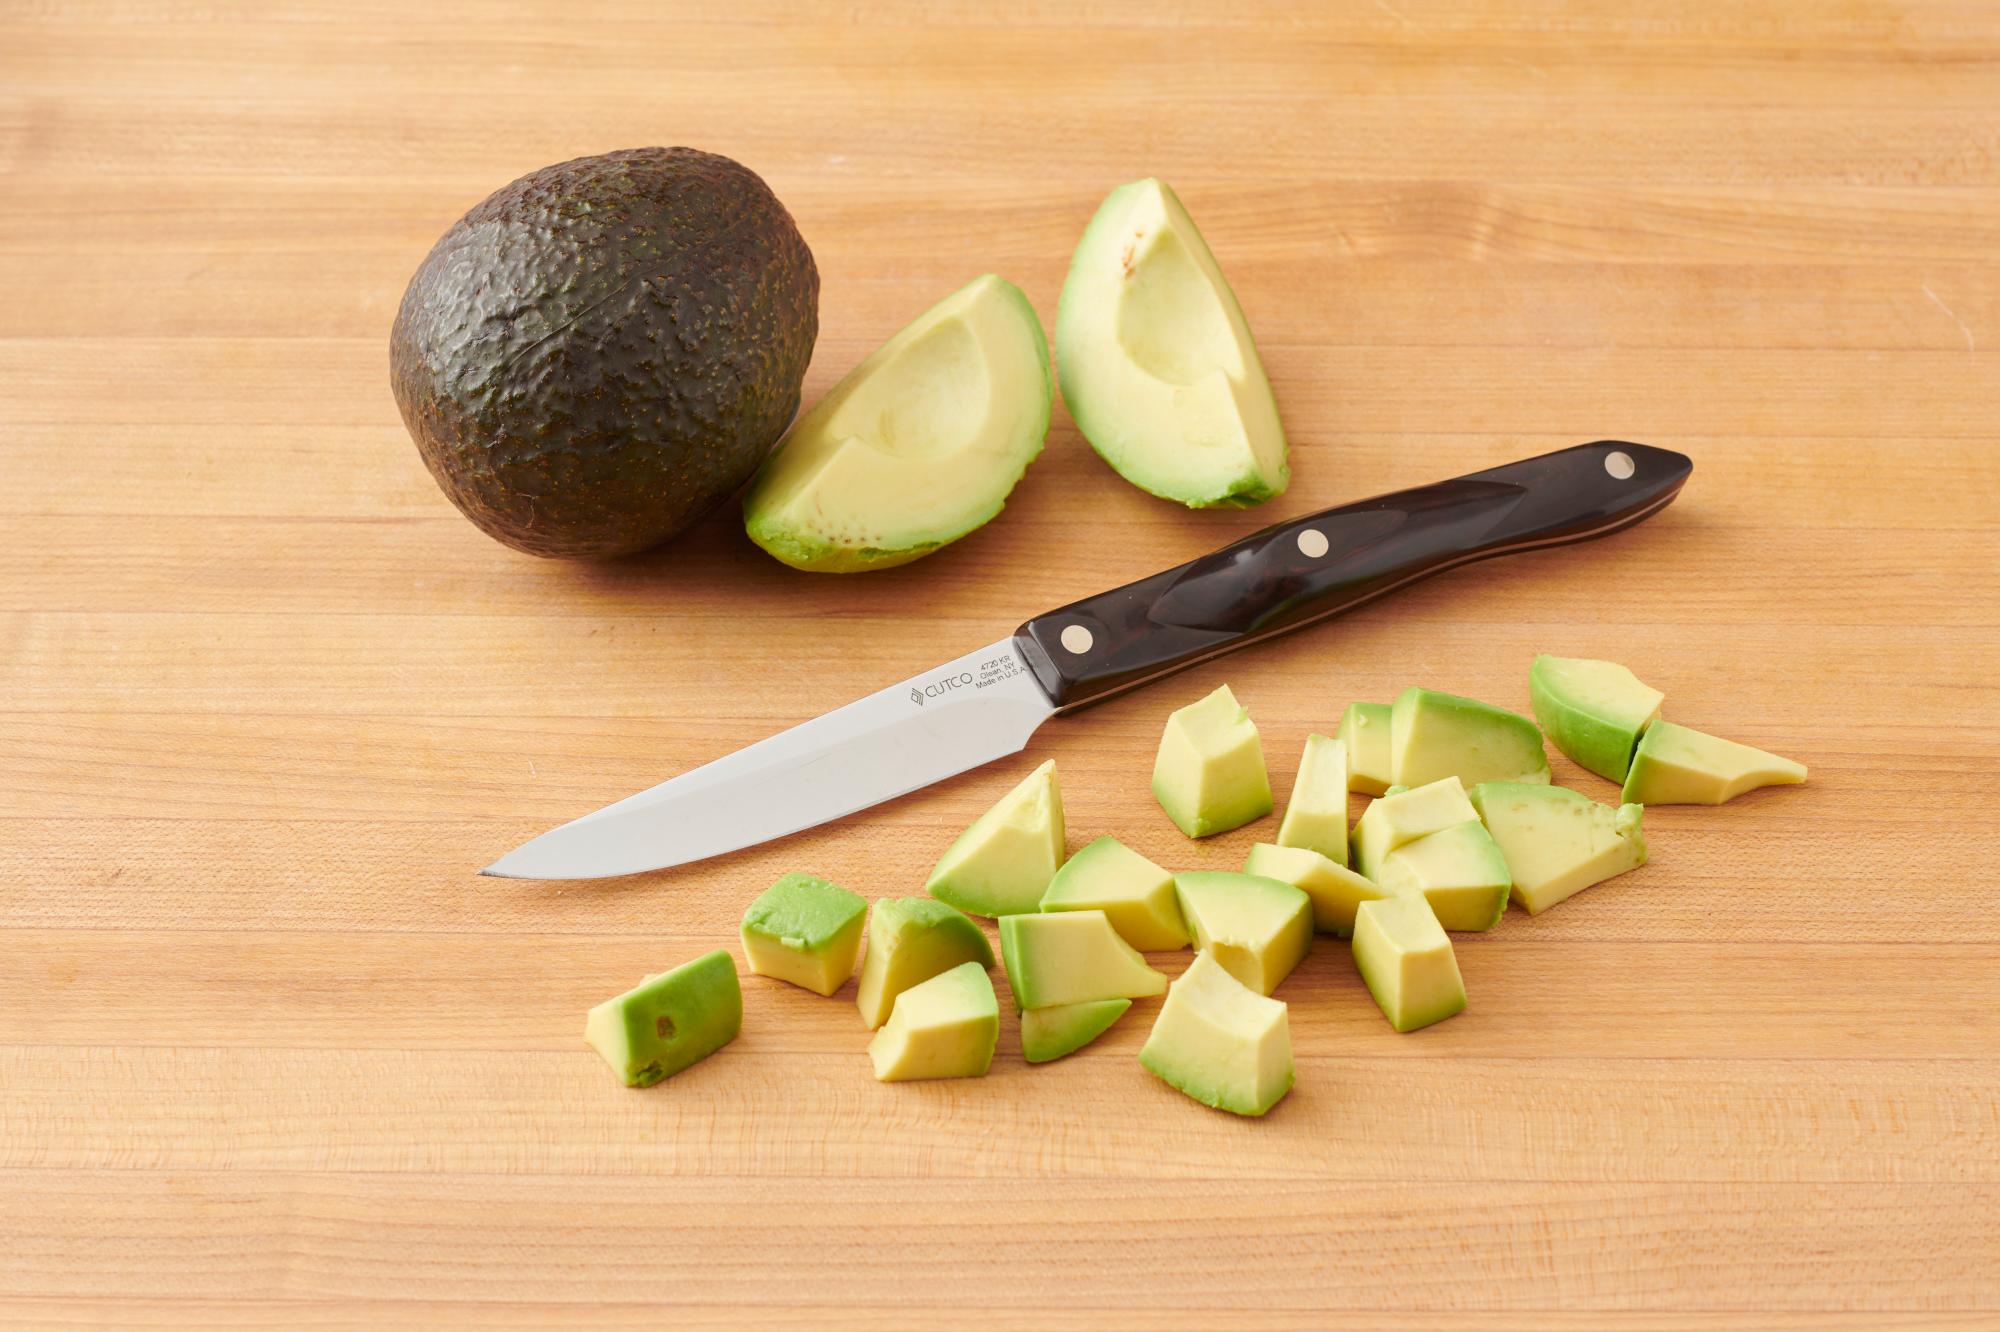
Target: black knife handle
1318	565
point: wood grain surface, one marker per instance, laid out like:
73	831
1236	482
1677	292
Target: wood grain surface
271	1055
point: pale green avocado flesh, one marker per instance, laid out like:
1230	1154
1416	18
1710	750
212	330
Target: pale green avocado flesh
1002	864
910	940
1158	367
1459	870
669	1021
945	1027
1134	894
1558	842
1434	735
1258	929
1364	729
1406	960
1336	891
1594	711
1675	765
1404	816
1220	1042
1316	815
805	930
1071	957
919	445
1051	1033
1209	772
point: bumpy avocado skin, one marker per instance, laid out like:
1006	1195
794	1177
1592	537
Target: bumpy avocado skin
599	353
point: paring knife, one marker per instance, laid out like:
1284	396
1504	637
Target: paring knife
987	704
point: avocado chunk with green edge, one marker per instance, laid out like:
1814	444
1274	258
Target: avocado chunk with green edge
805	930
1433	735
1220	1042
1676	765
1158	367
1458	870
945	1027
1002	864
1070	957
1558	842
910	940
1209	773
1050	1033
1405	958
1257	928
1404	816
1364	729
1316	815
919	445
1336	891
603	351
1593	710
1134	894
669	1021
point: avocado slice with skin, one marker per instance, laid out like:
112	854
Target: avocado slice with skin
1002	864
669	1022
1558	842
1316	815
1209	774
945	1027
1158	367
1336	891
1677	765
1220	1042
1050	1033
920	444
1458	870
804	930
1134	894
1404	816
603	351
1071	957
1434	735
910	940
1593	710
1405	958
1258	928
1364	729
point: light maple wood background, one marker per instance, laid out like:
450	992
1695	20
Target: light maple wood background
271	1055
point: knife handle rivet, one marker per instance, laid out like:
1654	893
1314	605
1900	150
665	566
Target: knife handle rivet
1077	639
1619	463
1312	543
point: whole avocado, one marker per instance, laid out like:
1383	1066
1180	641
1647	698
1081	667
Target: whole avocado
599	353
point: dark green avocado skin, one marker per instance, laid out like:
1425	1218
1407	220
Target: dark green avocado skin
602	351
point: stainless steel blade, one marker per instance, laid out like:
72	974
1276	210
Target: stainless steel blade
981	707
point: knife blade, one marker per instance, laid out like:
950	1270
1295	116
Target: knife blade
987	704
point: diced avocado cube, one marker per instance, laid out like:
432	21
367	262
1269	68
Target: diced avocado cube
1364	729
1051	1033
1434	735
1069	957
1558	842
1593	710
669	1021
910	940
1404	816
1134	894
1221	1042
1406	959
1675	765
1316	815
1259	929
1335	890
1209	773
805	930
1458	870
1002	864
945	1027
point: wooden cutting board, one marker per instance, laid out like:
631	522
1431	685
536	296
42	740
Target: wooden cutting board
270	1054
